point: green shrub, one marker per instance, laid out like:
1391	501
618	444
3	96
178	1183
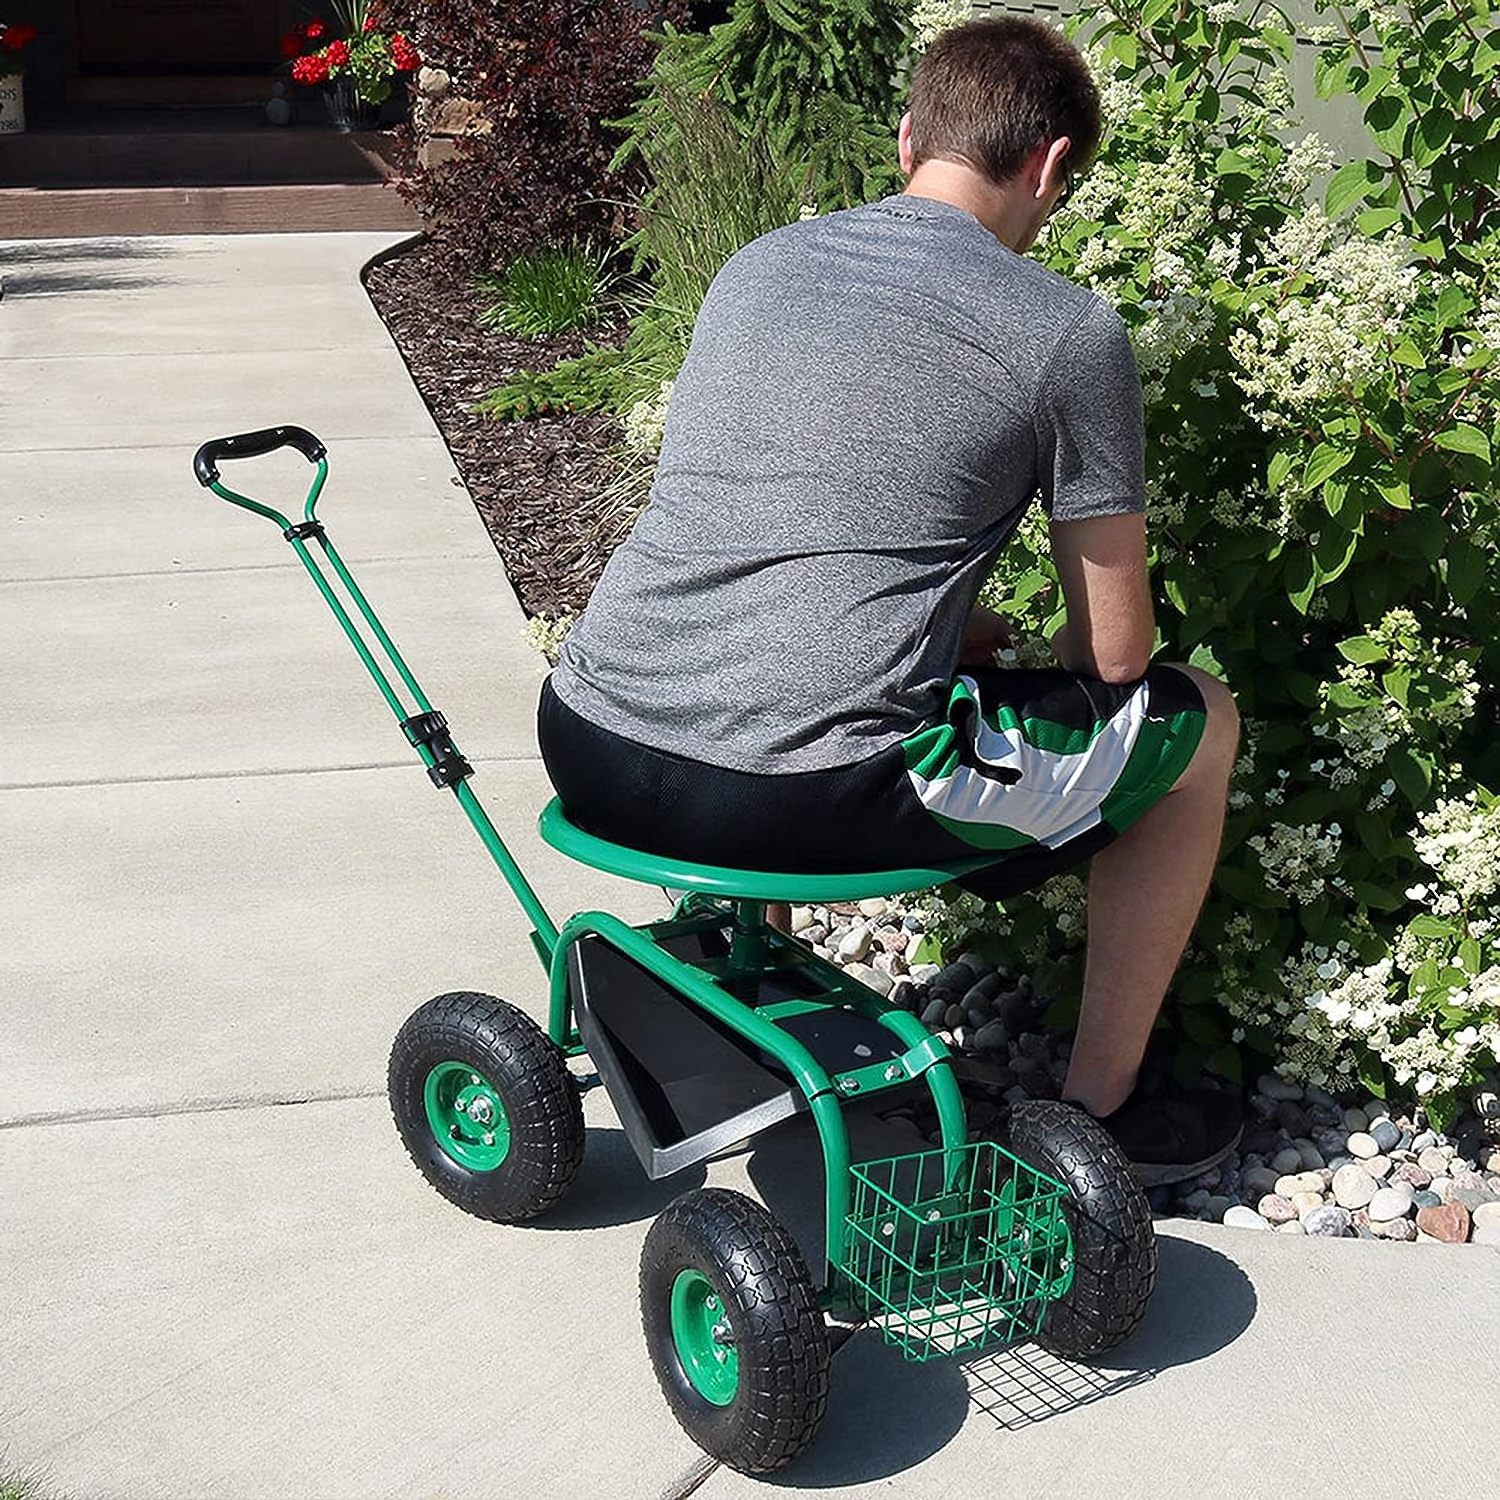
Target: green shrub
1322	405
582	383
821	84
714	192
785	108
548	292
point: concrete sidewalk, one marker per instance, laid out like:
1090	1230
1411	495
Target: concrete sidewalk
227	883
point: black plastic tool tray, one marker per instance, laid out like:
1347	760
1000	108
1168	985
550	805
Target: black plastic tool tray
684	1085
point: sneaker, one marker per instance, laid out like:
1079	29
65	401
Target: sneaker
1171	1134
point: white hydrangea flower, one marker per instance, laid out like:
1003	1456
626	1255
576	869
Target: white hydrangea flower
1308	159
1460	840
930	18
1167	203
1487	319
645	423
1296	858
547	633
1318	344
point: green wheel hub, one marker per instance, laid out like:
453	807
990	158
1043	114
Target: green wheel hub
466	1116
704	1338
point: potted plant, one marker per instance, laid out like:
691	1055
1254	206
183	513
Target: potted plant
14	40
356	71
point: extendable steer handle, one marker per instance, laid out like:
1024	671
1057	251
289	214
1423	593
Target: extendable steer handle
252	445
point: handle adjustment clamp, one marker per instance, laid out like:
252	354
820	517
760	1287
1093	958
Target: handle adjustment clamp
449	767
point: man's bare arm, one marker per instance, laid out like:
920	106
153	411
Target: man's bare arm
1111	628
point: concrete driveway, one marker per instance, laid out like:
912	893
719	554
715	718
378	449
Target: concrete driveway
226	882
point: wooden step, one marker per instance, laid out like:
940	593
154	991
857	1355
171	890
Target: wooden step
219	148
65	213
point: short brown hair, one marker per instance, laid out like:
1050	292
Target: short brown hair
989	92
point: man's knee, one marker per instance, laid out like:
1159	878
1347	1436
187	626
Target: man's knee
1221	731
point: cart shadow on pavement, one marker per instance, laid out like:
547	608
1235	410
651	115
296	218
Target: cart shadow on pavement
611	1189
887	1415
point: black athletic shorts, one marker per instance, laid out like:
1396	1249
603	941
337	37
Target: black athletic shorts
1042	769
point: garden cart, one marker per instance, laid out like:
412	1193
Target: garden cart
706	1028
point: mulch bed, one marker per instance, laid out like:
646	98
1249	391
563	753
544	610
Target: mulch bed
537	483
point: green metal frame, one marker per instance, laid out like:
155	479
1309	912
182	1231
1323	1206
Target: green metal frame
735	901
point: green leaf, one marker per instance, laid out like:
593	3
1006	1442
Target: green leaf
1350	184
1406	353
1464	437
1362	650
1432	132
1466	569
1199	1027
1333	552
1226	1062
1325	461
1412	774
1374	221
1154	11
1233	163
1389	121
1301	576
927	951
1278	468
1372	1075
1367	893
1240	885
1469	955
1425	925
1453	303
1398	684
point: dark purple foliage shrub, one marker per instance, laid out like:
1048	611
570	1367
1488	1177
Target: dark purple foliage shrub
545	75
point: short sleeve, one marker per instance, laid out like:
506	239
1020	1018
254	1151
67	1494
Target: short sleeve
1090	427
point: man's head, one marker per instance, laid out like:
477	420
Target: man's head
1003	111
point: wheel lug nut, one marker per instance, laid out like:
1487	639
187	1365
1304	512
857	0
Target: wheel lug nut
489	1137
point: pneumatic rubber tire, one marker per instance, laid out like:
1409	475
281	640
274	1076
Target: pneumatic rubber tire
525	1071
779	1336
1114	1243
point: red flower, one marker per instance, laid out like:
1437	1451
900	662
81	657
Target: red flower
337	53
312	69
13	38
313	30
370	23
291	43
404	55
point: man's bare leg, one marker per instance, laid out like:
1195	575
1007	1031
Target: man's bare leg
1145	891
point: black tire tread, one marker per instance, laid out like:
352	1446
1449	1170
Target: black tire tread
528	1071
1114	1243
770	1298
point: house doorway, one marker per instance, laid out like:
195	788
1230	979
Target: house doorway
176	36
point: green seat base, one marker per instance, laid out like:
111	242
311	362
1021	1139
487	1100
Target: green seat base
745	885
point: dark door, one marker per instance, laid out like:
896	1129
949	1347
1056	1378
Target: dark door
176	36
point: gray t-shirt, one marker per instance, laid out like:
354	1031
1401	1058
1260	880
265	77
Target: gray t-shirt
869	402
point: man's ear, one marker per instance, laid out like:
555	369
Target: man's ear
1050	165
903	143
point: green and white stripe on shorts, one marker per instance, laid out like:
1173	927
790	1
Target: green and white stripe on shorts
1040	758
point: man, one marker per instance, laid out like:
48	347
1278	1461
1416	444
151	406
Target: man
765	675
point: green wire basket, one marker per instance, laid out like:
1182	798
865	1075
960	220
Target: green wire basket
951	1251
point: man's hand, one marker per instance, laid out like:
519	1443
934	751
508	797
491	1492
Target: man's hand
984	635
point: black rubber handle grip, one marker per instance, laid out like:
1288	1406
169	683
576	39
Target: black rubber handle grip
252	445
